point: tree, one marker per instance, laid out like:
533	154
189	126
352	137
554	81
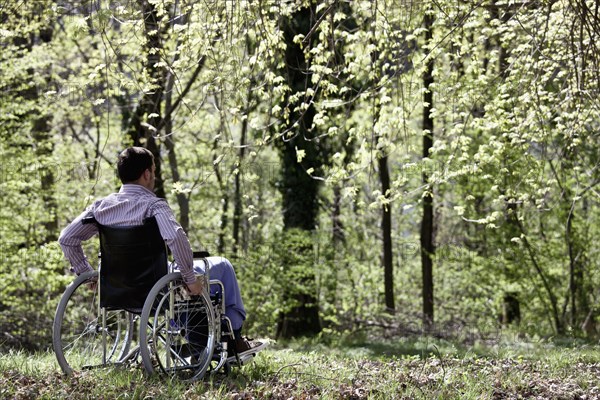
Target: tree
299	151
427	223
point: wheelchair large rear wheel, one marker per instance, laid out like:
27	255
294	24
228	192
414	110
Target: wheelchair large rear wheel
177	331
77	329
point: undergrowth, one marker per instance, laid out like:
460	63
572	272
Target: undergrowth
340	368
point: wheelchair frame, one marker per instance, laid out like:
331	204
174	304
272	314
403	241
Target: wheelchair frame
87	336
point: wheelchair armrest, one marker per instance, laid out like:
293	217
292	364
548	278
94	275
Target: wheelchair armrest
88	219
201	254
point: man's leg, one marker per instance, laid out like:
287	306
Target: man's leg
222	270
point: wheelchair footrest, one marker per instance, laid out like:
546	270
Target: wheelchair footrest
247	359
244	360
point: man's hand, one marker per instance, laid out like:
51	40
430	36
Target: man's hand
92	285
195	288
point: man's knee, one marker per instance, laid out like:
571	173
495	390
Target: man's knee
220	265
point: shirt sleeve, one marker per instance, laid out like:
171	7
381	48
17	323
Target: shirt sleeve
176	239
70	241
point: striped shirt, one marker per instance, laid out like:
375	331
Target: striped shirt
130	206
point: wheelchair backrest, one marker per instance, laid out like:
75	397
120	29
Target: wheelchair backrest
132	260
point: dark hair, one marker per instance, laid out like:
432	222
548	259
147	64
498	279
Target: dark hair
132	163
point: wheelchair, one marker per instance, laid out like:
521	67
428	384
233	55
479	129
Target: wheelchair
136	306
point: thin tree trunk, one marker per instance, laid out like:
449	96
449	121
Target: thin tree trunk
224	189
384	176
553	300
427	246
182	199
386	230
237	193
338	235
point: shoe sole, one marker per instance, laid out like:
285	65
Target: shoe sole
251	351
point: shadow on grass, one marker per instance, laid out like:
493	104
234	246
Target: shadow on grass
423	347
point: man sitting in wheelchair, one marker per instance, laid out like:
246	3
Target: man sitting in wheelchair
136	202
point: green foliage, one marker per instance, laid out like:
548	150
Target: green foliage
274	278
513	171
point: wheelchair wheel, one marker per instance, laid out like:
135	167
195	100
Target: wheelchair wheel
77	329
177	331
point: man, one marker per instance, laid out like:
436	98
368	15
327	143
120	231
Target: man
135	202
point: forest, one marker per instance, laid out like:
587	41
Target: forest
404	166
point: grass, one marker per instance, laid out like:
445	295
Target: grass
417	367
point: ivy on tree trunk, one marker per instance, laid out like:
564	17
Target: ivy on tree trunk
298	188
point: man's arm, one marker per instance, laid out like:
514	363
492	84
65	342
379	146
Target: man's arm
70	241
178	242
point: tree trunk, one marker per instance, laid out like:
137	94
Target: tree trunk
237	192
384	174
224	187
299	190
44	145
386	230
338	236
427	246
182	200
580	307
146	119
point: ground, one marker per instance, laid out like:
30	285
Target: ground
402	368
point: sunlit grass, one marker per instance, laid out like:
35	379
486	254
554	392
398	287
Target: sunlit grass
329	368
35	364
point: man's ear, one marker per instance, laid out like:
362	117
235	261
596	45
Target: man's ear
143	176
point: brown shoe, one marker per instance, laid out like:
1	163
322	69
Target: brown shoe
244	346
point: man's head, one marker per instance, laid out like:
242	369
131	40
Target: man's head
136	165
